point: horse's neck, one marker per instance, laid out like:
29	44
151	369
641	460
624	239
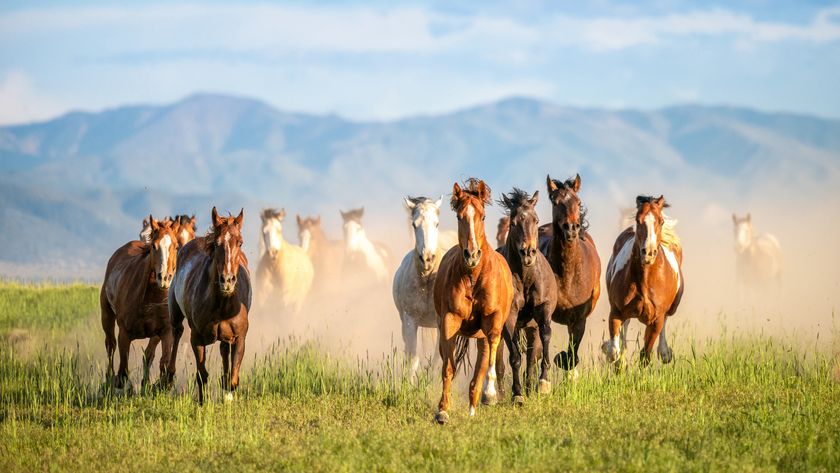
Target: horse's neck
513	257
566	256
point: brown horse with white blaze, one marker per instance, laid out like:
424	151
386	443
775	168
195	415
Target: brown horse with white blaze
212	290
133	297
473	296
644	280
573	257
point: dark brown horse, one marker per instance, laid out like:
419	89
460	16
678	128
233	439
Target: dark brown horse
133	297
473	295
535	289
212	289
574	259
644	279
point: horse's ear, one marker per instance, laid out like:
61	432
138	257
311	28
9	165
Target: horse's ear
639	201
153	223
408	203
281	214
456	190
176	227
299	221
550	184
660	202
439	202
215	216
535	198
576	183
506	202
343	214
483	192
240	217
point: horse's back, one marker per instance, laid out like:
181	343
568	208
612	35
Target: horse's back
125	275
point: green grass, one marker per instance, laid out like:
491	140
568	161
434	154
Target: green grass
743	404
45	306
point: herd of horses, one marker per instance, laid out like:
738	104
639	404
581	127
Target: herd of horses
454	286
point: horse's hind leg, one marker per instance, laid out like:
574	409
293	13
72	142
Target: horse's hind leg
513	341
108	326
201	375
148	358
543	342
569	359
482	362
409	335
124	345
447	331
176	319
666	355
236	361
494	336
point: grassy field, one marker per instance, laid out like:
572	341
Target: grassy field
733	404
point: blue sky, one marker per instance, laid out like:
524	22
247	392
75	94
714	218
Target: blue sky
382	60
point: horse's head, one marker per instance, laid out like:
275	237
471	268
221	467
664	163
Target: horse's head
502	231
227	248
354	234
163	242
524	224
566	212
649	222
743	232
468	204
272	230
307	226
146	231
425	220
187	231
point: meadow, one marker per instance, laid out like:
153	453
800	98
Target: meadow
735	402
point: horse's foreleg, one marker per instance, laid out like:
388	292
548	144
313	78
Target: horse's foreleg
492	328
482	361
447	330
511	335
612	348
148	358
224	352
569	359
176	318
651	332
236	362
124	345
108	326
544	327
201	371
666	355
409	334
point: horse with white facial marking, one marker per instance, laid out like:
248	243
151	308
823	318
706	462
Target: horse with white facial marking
285	270
758	258
212	290
362	255
133	297
574	259
644	280
473	296
413	288
327	255
535	290
187	227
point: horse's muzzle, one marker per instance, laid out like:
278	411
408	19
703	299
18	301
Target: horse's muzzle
649	256
227	284
570	231
471	259
528	255
428	260
164	280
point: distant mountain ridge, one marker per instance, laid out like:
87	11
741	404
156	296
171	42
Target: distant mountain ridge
113	167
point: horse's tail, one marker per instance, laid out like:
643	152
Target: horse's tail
462	345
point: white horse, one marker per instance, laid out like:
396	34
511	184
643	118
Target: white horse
360	253
284	269
414	281
758	259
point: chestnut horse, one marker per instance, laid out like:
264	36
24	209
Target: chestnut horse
574	259
502	230
535	289
133	296
644	282
473	295
187	227
212	290
327	255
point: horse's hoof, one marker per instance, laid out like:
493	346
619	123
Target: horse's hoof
441	417
572	374
489	399
545	386
229	396
518	400
666	356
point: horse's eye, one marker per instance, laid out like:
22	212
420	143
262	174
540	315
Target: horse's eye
437	224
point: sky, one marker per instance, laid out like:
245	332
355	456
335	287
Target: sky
386	60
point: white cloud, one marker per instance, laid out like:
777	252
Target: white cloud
20	102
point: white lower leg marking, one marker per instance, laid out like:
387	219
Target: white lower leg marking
490	389
472	411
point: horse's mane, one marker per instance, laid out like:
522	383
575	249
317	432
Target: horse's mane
470	187
515	199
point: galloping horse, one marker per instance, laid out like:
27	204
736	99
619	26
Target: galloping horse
758	259
361	254
446	239
644	282
133	296
502	230
535	289
413	288
284	268
327	256
212	289
473	295
574	259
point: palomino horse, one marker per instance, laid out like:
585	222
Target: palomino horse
133	296
473	295
327	255
644	282
284	269
574	259
534	285
758	259
413	288
361	254
502	230
212	289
